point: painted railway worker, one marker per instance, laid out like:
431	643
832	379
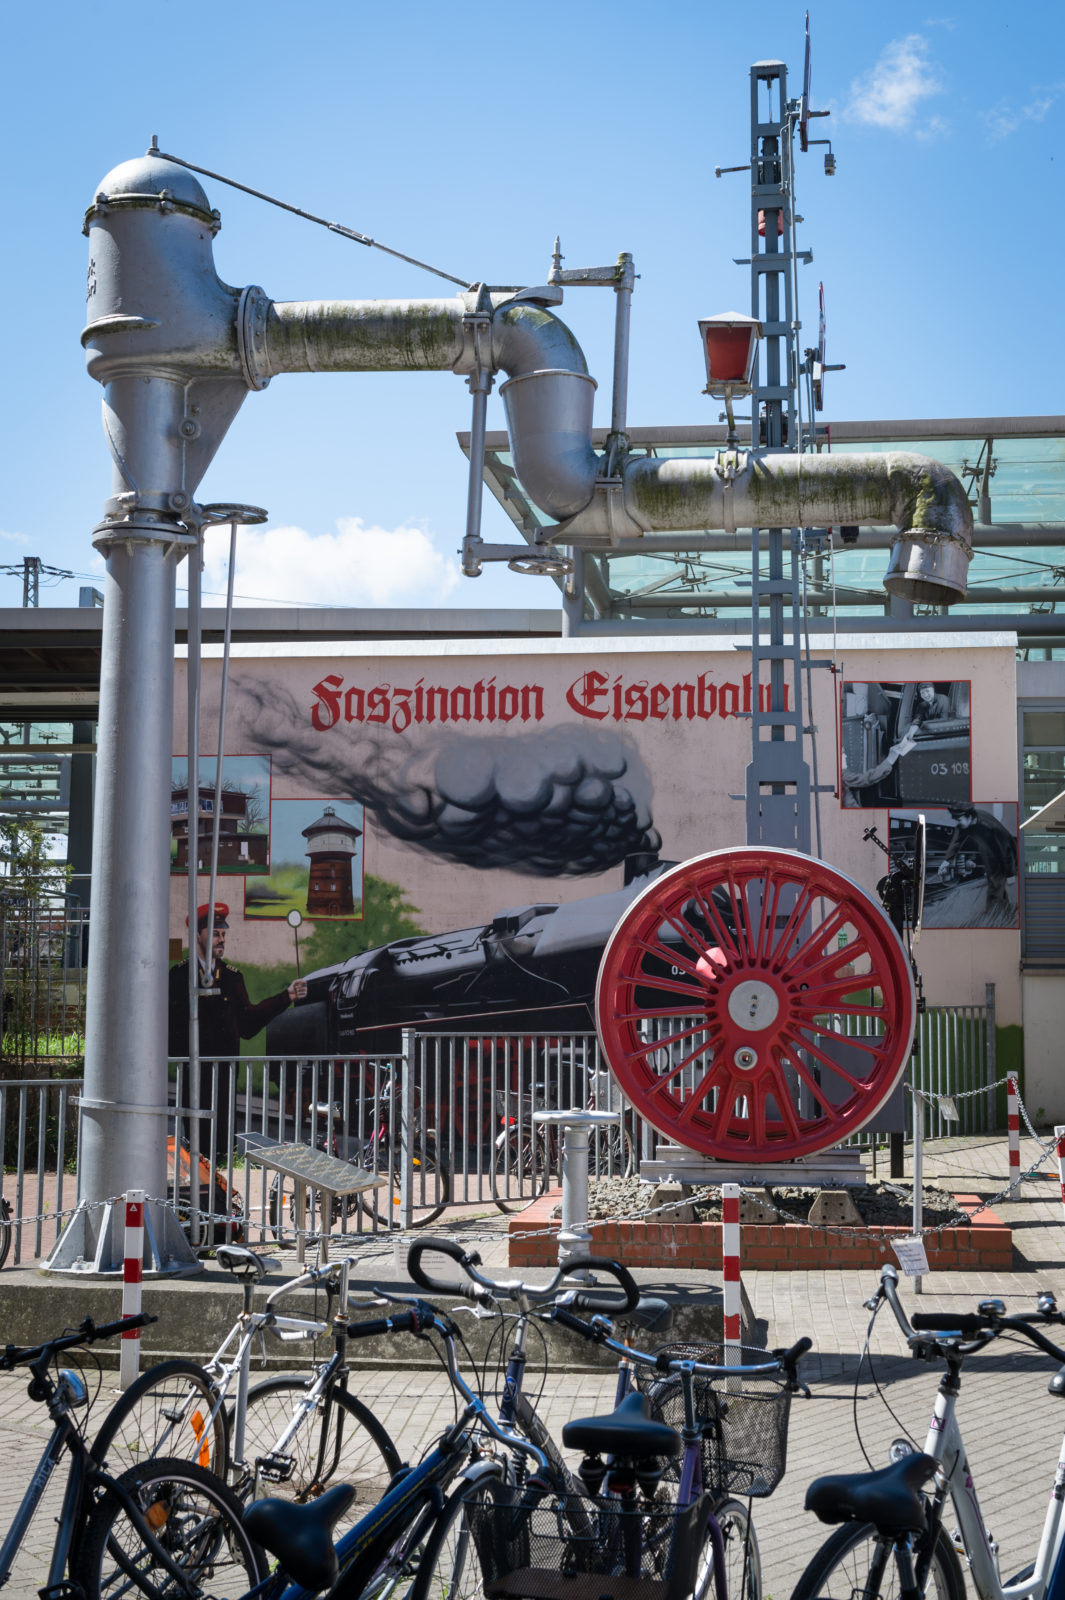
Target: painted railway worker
225	1019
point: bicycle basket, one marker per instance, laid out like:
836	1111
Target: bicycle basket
744	1420
574	1547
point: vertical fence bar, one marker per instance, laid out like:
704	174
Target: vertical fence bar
918	1174
406	1131
42	1130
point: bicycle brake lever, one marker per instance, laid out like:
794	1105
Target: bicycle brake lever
482	1310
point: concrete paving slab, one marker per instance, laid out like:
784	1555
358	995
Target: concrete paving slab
1004	1392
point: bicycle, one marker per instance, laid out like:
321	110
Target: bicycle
5	1229
526	1152
887	1515
380	1150
166	1522
297	1434
388	1546
711	1461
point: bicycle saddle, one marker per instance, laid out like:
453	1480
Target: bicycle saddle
235	1258
301	1536
890	1499
629	1431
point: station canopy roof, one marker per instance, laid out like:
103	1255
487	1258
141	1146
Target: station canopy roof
1018	567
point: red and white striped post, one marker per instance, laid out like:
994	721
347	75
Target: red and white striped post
1059	1144
1013	1124
129	1358
730	1247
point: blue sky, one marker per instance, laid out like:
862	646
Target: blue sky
469	137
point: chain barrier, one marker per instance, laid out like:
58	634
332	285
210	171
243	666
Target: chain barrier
385	1243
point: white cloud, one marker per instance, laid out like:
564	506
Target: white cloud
888	95
356	566
14	538
1004	119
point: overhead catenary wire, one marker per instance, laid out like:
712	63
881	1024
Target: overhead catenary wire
308	216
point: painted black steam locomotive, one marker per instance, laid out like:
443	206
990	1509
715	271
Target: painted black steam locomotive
531	969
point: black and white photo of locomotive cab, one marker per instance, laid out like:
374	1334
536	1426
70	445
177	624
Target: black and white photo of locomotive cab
970	862
905	742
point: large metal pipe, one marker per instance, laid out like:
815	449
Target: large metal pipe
548	396
735	489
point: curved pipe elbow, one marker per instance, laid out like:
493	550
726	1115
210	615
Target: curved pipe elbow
548	400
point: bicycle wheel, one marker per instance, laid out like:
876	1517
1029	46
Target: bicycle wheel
172	1409
743	1561
432	1189
449	1568
520	1170
841	1568
340	1441
611	1152
194	1518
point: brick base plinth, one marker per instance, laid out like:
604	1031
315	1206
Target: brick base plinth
784	1247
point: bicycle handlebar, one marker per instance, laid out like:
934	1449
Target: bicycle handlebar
309	1279
480	1289
470	1289
418	1319
663	1362
88	1333
978	1327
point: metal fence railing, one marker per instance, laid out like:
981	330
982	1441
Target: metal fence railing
43	949
448	1121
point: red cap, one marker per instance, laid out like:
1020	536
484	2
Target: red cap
221	912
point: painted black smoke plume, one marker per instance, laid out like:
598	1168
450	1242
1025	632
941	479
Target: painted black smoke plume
554	803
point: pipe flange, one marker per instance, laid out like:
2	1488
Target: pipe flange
932	536
252	312
142	529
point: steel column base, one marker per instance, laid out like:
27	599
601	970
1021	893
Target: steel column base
93	1243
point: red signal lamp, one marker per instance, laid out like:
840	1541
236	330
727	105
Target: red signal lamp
730	343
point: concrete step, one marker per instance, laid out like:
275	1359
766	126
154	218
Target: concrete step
195	1314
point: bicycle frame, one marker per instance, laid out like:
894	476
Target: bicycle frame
944	1442
62	1441
59	1395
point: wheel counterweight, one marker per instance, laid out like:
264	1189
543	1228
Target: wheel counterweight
755	1005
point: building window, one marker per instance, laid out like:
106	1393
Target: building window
1042	854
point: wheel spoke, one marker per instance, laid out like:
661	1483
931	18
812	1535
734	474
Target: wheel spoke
762	1028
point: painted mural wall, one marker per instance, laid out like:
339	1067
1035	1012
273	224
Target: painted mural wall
480	783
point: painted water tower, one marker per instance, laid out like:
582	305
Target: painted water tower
331	846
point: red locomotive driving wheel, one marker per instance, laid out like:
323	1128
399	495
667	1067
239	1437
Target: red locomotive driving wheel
755	1005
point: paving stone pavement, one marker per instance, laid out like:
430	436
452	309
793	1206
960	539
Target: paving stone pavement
1004	1396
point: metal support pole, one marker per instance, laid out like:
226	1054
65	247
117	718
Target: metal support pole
192	834
574	1236
406	1131
918	1174
123	1110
